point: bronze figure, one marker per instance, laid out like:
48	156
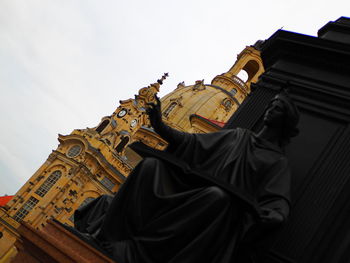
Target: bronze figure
202	198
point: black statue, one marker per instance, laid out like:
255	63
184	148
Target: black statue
202	198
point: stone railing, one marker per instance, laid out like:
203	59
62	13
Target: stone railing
239	82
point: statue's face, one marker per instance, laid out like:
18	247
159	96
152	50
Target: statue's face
275	114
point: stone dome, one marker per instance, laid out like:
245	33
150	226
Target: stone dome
190	108
201	100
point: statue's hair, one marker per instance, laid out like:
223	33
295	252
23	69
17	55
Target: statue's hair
292	117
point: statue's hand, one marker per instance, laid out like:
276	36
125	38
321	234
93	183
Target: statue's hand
154	112
270	216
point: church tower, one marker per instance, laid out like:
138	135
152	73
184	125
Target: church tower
95	161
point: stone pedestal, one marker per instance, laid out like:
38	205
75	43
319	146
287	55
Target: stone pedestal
316	72
54	243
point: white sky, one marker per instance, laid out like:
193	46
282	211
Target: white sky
66	64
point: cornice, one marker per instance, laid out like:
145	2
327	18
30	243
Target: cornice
301	48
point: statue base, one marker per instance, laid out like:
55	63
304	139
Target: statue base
55	243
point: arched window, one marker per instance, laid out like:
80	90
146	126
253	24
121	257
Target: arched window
124	141
228	105
102	126
233	91
252	67
48	183
169	109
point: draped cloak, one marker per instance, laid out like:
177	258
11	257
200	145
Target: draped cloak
194	202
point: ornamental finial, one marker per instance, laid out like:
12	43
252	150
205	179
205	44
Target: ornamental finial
165	75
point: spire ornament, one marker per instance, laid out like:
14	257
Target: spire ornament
147	94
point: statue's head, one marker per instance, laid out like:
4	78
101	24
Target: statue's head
283	113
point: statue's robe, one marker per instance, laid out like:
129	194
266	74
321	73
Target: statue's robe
195	202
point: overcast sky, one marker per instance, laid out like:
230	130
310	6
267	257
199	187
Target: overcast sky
66	64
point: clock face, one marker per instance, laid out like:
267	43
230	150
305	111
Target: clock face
122	113
133	123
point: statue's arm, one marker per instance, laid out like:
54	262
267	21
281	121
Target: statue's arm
172	136
274	198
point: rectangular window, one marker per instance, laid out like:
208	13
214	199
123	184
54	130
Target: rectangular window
25	209
108	183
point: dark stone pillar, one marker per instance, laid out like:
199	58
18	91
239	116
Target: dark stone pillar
316	71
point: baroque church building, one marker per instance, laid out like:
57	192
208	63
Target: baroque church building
95	161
